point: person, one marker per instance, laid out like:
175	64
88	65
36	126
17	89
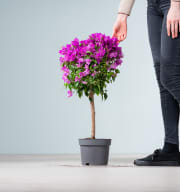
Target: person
163	23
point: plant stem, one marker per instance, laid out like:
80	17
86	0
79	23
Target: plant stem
91	95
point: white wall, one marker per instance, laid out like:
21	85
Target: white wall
35	114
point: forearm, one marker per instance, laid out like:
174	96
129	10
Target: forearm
125	6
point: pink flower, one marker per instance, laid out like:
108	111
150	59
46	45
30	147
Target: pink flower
86	72
84	82
69	93
61	59
65	69
77	78
119	61
78	65
64	77
114	66
86	66
88	61
93	74
80	60
81	74
113	54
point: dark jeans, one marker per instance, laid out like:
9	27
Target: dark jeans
166	59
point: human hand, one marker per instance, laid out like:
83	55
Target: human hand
173	19
120	27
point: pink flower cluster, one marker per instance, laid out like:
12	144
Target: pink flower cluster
96	48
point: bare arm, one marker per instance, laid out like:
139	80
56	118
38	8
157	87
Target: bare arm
120	25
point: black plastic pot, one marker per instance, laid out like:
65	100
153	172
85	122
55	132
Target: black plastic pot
94	151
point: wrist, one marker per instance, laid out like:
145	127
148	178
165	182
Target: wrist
175	4
122	15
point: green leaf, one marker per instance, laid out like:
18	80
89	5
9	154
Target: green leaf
86	91
76	84
117	71
105	96
113	78
96	90
65	84
102	96
70	86
80	93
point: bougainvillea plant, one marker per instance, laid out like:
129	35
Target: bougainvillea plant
88	65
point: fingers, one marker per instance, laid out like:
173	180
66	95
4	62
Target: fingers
114	33
120	32
120	37
176	29
172	28
123	36
168	27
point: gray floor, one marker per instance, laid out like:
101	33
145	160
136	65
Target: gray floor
64	173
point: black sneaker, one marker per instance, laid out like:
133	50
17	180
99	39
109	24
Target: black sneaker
159	158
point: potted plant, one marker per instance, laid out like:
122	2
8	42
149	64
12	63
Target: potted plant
88	65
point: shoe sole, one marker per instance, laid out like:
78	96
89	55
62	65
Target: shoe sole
157	163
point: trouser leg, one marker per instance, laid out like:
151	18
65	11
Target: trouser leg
169	105
170	70
170	60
